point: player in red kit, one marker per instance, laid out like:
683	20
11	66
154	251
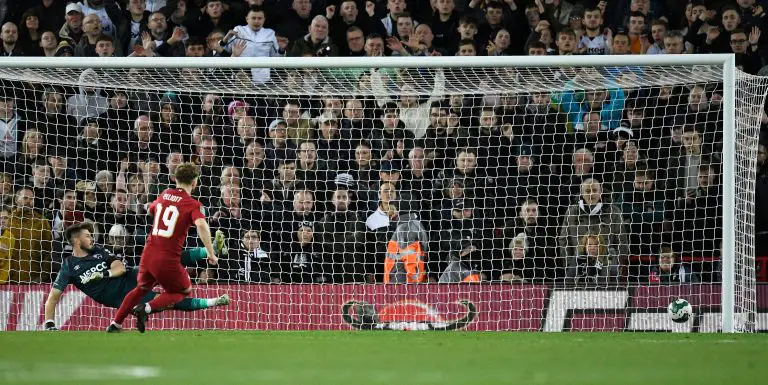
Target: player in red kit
174	211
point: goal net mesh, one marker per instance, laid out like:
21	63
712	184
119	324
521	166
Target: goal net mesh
574	198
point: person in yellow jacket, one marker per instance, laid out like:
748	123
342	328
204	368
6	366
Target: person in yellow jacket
31	256
7	243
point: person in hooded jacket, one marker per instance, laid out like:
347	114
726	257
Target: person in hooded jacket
302	258
89	102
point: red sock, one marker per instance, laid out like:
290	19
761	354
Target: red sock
129	302
165	301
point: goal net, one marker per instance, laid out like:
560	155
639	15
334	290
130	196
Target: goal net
453	193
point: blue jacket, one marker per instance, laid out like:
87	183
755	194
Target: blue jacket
572	103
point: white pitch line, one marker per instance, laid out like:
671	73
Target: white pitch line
40	373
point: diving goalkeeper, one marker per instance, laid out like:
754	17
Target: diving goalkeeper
96	272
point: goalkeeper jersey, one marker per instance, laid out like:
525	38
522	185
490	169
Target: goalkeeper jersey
109	291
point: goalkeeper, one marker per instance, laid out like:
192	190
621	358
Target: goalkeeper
96	272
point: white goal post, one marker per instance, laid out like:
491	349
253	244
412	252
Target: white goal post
743	97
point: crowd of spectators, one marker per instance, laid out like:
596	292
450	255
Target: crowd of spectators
608	185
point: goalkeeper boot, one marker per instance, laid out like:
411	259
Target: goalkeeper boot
113	328
220	244
141	317
223	300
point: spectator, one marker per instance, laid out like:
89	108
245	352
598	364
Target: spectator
594	41
516	267
311	172
355	39
122	246
282	188
50	14
108	13
330	146
316	42
644	209
386	212
103	187
342	233
595	265
11	130
248	263
30	258
467	31
72	30
302	257
29	33
66	214
9	34
342	25
231	215
364	169
214	16
254	171
566	42
669	270
747	58
118	212
143	141
639	43
134	21
390	140
259	42
44	189
89	102
278	148
93	151
49	43
592	216
532	226
465	264
6	190
658	32
298	126
62	172
7	245
210	164
697	215
91	34
32	152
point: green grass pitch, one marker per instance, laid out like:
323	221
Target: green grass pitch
369	358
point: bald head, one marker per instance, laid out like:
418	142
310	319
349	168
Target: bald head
92	25
9	33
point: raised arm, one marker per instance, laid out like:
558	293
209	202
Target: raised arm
204	232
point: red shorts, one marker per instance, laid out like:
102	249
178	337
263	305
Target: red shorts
167	272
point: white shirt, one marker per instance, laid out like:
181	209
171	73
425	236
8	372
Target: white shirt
155	5
377	220
261	43
107	27
595	46
9	135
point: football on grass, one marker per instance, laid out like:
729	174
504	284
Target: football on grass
680	310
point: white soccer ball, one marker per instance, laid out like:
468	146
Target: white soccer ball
680	310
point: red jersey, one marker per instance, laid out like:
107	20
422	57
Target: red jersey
174	211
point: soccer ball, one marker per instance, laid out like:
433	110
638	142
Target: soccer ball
680	310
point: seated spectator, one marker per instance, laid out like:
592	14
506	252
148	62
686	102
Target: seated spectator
229	214
330	146
72	30
364	168
6	190
12	128
609	102
311	172
302	257
592	216
29	33
517	267
44	189
697	215
386	212
390	140
118	212
669	270
7	245
465	264
32	152
248	263
278	148
595	264
93	152
92	31
281	189
297	124
214	16
122	245
9	34
89	102
532	224
342	235
66	213
63	173
31	255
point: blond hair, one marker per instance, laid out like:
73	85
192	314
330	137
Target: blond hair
602	249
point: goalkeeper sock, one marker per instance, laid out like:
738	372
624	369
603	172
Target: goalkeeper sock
190	257
190	304
165	301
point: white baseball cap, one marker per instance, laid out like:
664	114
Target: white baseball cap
74	7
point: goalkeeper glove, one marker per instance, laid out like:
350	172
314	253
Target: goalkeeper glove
220	243
50	325
97	276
